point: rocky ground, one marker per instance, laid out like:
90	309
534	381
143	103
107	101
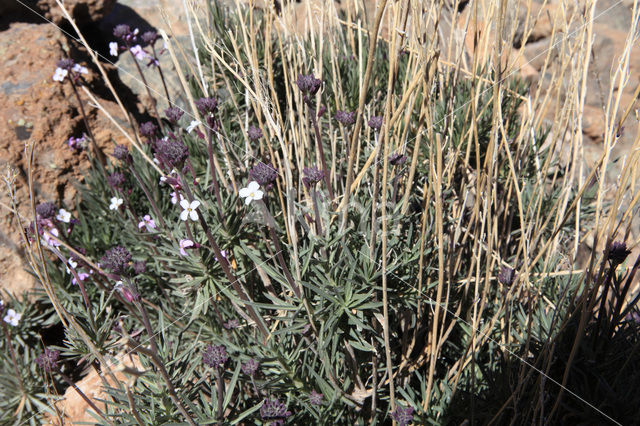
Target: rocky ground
35	109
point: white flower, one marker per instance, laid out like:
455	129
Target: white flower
113	48
115	203
251	192
80	69
60	74
138	52
193	125
72	264
63	216
12	317
189	209
136	31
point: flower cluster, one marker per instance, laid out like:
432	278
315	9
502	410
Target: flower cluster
308	84
250	367
116	259
66	67
345	118
171	152
397	159
618	252
48	360
215	356
264	174
254	133
312	176
403	416
78	143
274	411
375	122
506	276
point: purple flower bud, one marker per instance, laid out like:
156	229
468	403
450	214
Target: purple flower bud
232	323
618	252
506	276
403	416
375	122
397	159
117	259
121	152
308	84
139	267
254	133
148	129
66	64
346	118
264	174
250	367
48	360
116	180
322	110
172	152
150	37
173	114
215	356
312	176
207	105
274	411
46	210
315	398
130	294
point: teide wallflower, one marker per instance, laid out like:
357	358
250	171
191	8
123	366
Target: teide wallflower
60	74
147	222
185	244
113	48
115	203
12	317
189	209
138	52
63	216
251	192
274	411
193	125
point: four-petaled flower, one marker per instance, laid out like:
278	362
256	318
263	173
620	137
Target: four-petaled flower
63	216
113	48
147	222
193	125
115	203
50	237
251	192
60	74
81	276
138	52
77	68
12	317
189	209
72	264
185	244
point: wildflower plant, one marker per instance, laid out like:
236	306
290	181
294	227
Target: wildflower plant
266	262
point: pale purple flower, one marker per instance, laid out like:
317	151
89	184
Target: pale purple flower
174	197
193	125
185	244
113	48
138	52
48	360
60	74
12	317
189	209
403	416
77	68
51	237
315	398
81	276
147	222
250	367
215	356
251	192
77	143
